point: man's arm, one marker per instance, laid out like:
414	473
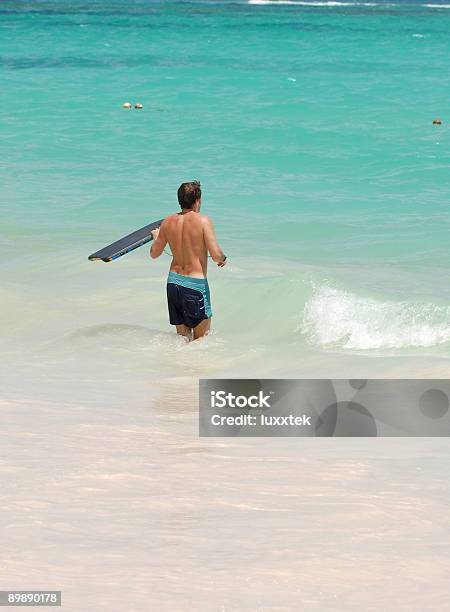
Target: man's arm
159	242
212	245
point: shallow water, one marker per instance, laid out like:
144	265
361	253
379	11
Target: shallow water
126	509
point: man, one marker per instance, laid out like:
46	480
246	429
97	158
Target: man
190	236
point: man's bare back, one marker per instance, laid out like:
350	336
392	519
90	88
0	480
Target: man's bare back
190	237
184	232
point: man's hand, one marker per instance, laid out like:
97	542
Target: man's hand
159	242
212	245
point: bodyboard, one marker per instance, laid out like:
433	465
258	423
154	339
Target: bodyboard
126	244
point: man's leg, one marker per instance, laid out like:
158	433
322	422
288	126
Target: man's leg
202	329
184	330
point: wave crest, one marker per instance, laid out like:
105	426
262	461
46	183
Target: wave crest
332	3
333	316
312	3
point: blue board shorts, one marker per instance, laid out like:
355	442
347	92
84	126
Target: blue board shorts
188	300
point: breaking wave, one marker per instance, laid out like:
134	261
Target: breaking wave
312	3
336	317
332	3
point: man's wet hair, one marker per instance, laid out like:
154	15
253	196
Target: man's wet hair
188	194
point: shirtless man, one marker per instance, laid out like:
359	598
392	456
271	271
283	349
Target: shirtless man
190	236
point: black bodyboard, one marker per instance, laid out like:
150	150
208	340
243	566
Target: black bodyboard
126	244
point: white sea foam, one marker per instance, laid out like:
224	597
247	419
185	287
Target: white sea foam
332	3
304	3
336	317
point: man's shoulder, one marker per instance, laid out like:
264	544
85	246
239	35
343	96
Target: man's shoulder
204	219
169	220
197	219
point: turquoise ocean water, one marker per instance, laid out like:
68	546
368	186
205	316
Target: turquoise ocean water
310	127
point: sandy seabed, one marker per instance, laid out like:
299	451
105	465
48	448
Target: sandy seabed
130	510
